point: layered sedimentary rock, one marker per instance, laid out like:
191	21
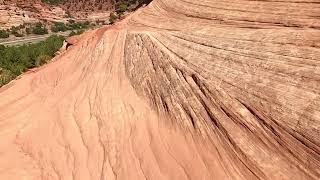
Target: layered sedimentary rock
179	90
89	6
14	16
18	12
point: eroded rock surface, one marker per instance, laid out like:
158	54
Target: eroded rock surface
19	12
181	89
14	16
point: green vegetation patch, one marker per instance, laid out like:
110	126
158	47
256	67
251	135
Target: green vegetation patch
39	29
3	34
15	60
72	25
123	7
113	18
59	27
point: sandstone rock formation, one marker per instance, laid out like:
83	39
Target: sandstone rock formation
184	89
14	16
18	12
77	8
89	5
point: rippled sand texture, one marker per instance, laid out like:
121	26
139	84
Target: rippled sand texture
183	89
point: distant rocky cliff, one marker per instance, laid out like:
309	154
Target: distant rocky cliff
18	12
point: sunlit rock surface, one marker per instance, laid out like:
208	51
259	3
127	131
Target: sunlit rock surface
14	16
181	89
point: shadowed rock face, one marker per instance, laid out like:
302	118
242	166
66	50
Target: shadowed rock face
179	90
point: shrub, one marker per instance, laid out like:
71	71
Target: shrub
3	34
15	31
123	7
72	33
28	30
58	26
39	29
17	34
113	18
77	25
6	76
71	21
41	60
22	26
